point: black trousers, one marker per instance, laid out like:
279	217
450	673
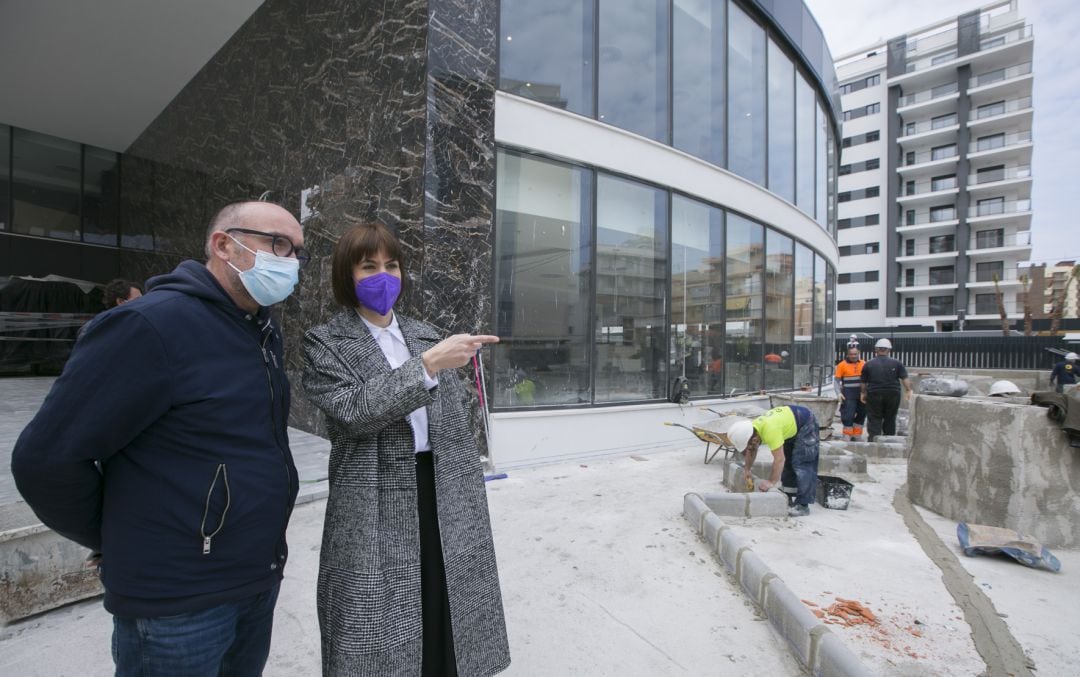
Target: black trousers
881	408
438	638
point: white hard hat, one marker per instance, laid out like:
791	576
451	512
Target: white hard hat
883	343
1004	388
853	337
1071	357
740	434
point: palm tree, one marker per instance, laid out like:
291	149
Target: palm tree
1001	306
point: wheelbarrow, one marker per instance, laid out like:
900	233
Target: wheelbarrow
712	433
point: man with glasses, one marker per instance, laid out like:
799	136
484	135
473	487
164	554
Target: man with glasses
163	446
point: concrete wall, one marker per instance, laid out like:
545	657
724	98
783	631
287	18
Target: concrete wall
995	463
980	380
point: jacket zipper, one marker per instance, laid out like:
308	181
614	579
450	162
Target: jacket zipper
268	356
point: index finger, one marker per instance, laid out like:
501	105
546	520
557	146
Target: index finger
484	338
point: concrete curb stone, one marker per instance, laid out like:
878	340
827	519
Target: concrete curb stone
811	642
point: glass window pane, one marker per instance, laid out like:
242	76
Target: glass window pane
633	55
546	52
45	189
5	178
805	107
698	75
820	316
631	288
746	96
101	196
781	123
821	171
542	282
743	324
779	310
828	341
804	313
697	294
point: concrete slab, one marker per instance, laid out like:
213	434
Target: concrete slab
791	618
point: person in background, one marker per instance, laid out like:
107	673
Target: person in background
119	292
847	381
408	583
882	378
1064	372
791	434
182	399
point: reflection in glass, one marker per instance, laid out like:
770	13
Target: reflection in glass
45	186
822	350
697	294
542	280
631	288
633	72
743	336
746	96
101	196
546	52
781	123
779	310
805	108
821	173
5	176
830	146
698	73
828	340
804	313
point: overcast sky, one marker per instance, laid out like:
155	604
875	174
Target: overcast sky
1055	165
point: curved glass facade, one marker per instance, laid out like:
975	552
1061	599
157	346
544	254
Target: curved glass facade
609	287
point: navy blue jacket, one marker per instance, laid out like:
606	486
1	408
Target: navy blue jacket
182	397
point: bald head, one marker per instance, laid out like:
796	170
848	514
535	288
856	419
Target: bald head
247	214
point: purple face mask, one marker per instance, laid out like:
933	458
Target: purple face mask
378	292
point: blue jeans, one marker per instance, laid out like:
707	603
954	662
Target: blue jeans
229	639
801	463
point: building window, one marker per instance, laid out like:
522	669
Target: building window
943	152
988	239
863	83
781	123
697	293
698	78
943	182
942	305
857	304
986	304
546	52
940	121
990	206
543	243
631	270
909	307
990	142
101	196
804	313
990	110
858	221
805	107
990	174
942	213
779	309
860	249
942	275
855	278
989	270
46	174
863	111
942	244
633	67
856	167
743	300
942	58
747	90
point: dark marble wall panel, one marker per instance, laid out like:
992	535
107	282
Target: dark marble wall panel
366	111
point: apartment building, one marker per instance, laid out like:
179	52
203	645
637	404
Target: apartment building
934	189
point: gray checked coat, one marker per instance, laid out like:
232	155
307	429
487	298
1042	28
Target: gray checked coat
369	567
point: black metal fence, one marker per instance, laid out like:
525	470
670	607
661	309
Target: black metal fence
957	351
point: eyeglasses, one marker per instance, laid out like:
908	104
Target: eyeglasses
280	245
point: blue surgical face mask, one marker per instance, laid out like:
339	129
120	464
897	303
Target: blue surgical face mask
271	279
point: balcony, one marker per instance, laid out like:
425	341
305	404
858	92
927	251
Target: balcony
1014	148
984	280
914	193
929	132
937	99
940	52
997	178
1009	82
991	244
944	311
925	282
926	251
927	159
988	309
1001	117
994	211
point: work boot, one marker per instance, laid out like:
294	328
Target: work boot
857	432
798	510
848	432
791	493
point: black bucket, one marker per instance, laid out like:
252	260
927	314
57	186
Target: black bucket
834	492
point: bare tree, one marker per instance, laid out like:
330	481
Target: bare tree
1001	306
1058	308
1026	281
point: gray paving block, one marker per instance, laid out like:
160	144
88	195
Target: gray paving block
877	449
723	503
753	575
834	659
730	545
733	473
844	462
711	528
694	510
766	504
898	439
791	618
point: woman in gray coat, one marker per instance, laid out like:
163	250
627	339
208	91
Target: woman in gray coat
407	577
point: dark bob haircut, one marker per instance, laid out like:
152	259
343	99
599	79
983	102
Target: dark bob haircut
360	242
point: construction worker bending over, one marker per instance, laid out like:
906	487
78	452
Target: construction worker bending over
791	434
848	385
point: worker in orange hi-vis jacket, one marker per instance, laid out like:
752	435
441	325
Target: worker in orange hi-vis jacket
848	382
